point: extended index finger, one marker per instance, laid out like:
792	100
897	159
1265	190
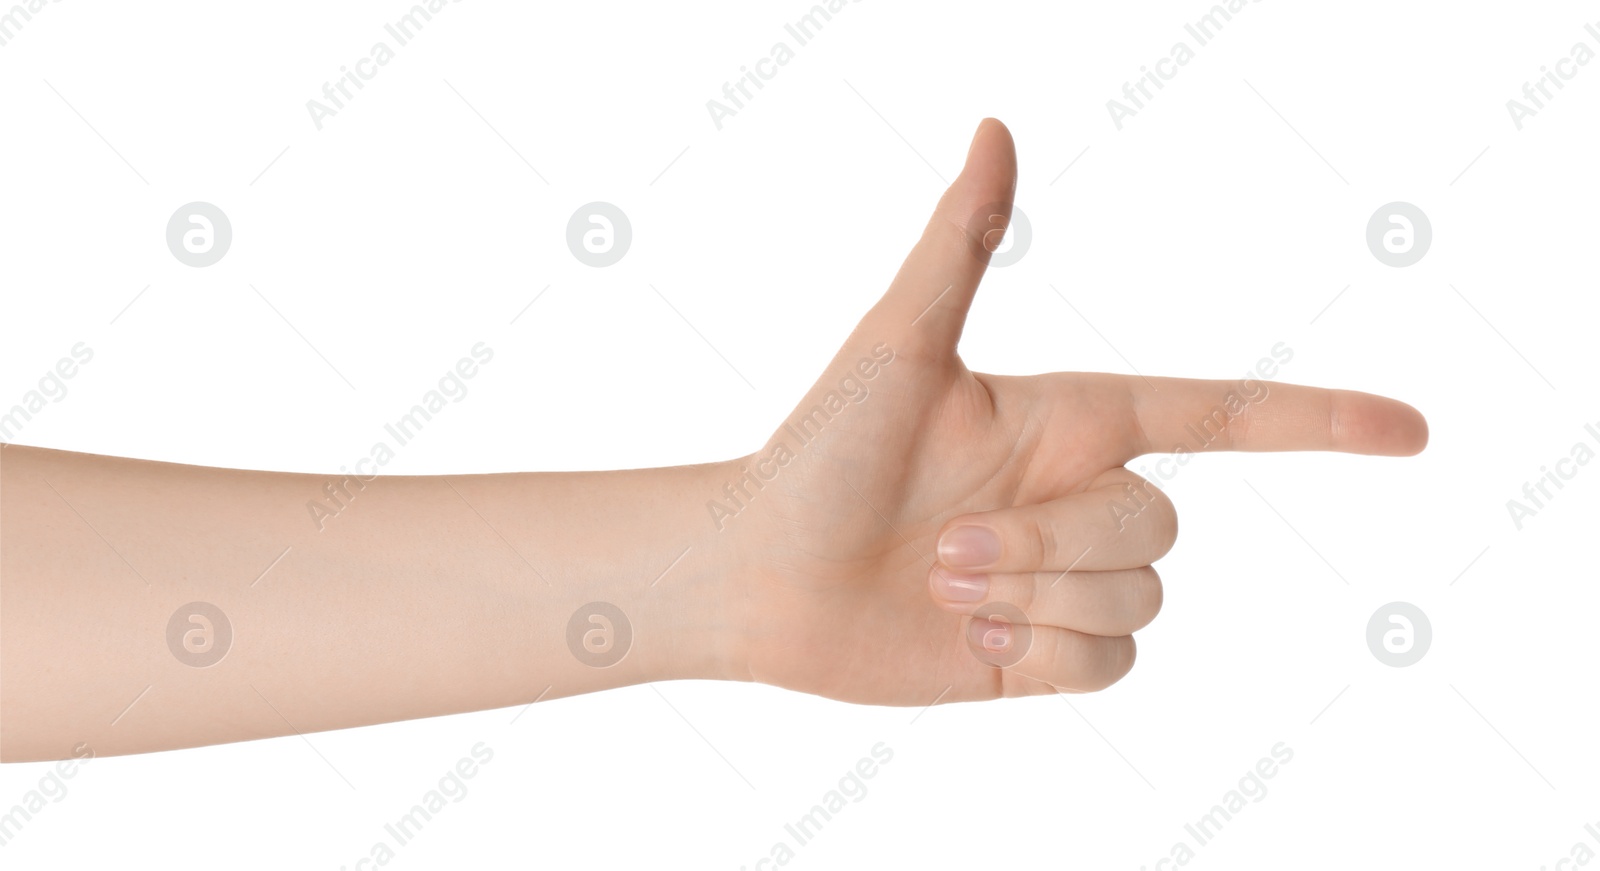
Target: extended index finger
1185	414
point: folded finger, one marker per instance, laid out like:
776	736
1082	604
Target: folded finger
1124	524
1063	658
1108	604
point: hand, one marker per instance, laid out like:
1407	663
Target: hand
860	555
907	494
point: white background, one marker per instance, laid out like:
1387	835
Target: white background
1188	243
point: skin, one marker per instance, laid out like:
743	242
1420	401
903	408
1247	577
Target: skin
827	563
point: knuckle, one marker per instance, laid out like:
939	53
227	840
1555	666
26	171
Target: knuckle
1117	656
1145	597
1143	507
1082	662
1044	539
1129	653
1021	590
1163	525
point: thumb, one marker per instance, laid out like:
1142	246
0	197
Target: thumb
926	304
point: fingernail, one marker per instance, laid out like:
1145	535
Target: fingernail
956	587
991	635
969	547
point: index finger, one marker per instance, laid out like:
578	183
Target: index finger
1176	415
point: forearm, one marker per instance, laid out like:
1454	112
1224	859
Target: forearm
400	597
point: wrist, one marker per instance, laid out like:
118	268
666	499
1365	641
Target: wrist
653	550
705	589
